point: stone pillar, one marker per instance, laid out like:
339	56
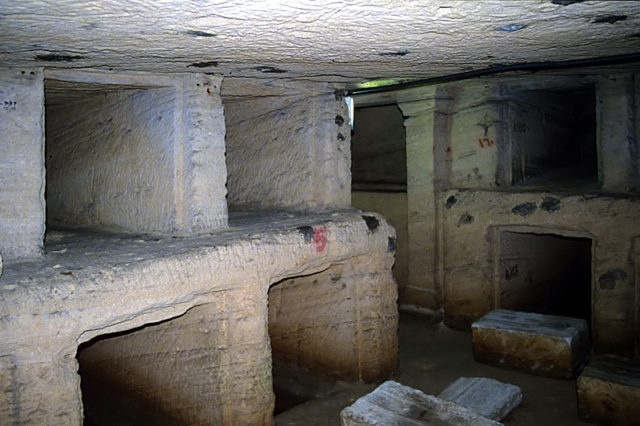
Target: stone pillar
341	322
211	365
39	383
204	204
425	169
616	133
22	205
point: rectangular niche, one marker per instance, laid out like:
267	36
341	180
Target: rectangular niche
544	273
553	138
378	149
109	156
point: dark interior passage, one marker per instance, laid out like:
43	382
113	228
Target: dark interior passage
554	138
378	153
545	273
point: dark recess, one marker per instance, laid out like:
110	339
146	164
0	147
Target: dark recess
204	64
397	53
465	219
524	209
550	204
450	202
54	57
391	247
270	70
566	2
372	222
307	233
609	19
195	33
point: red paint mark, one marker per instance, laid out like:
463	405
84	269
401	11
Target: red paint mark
320	238
485	142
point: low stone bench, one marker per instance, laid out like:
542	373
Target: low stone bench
487	397
547	345
394	404
609	391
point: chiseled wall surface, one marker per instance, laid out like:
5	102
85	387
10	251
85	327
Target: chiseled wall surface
469	253
341	322
393	206
135	153
287	146
474	132
108	284
22	206
110	160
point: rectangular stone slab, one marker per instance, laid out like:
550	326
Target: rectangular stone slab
488	397
609	391
394	404
546	345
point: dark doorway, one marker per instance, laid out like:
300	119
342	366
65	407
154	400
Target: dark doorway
545	273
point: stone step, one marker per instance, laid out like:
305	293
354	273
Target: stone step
394	404
546	345
609	391
487	397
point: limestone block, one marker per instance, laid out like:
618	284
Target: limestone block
394	404
546	345
490	398
609	391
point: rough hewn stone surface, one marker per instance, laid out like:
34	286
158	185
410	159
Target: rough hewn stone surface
472	275
135	153
336	40
287	148
547	345
87	287
22	207
349	308
394	404
609	391
487	397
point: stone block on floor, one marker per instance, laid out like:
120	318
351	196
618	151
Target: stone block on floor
546	345
490	398
609	391
394	404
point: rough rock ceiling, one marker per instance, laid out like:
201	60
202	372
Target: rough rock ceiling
335	40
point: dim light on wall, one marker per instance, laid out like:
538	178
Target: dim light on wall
351	108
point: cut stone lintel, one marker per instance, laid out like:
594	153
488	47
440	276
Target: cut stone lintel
107	284
609	391
546	345
394	404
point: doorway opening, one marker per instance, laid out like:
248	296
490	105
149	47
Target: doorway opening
545	273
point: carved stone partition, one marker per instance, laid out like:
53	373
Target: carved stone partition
205	358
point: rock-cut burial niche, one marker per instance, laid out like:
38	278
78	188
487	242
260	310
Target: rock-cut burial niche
109	156
545	273
553	138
